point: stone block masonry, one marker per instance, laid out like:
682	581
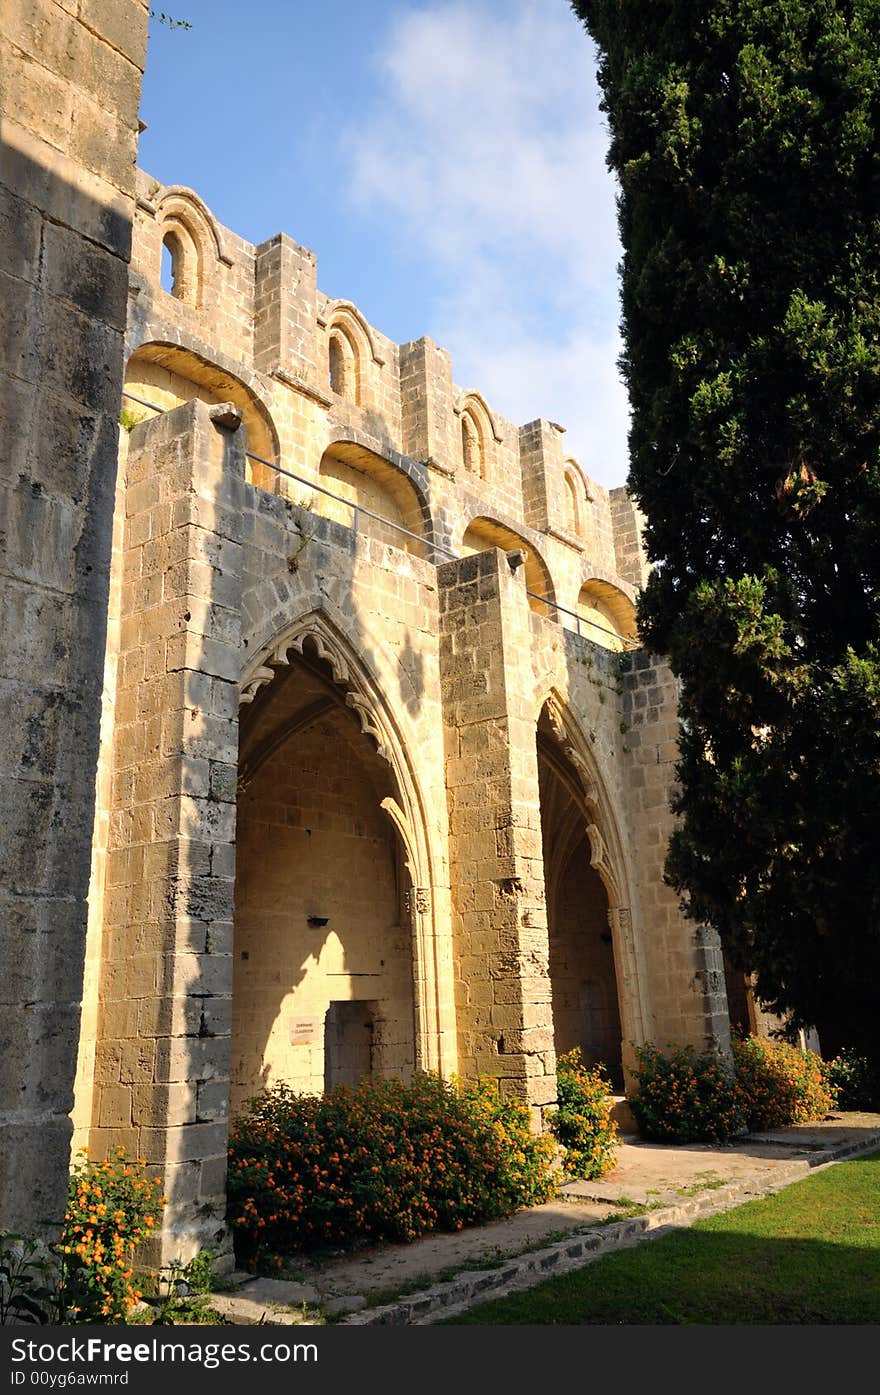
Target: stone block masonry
676	955
70	80
499	922
395	900
363	803
162	1061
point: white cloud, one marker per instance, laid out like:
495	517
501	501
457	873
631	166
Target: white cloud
488	153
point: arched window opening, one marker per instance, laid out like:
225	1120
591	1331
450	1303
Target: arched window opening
585	993
471	446
343	367
179	272
168	274
573	509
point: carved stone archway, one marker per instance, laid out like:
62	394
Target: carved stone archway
595	817
434	1026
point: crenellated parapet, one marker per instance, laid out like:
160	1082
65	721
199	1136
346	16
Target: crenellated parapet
214	316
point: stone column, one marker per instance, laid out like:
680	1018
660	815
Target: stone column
285	307
162	1057
496	866
429	425
540	453
70	81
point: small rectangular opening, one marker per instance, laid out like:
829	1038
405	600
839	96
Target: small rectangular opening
348	1043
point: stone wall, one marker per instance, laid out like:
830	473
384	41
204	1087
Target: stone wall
161	1070
385	896
684	962
307	937
70	79
499	925
258	334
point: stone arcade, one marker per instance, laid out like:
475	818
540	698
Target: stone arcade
383	775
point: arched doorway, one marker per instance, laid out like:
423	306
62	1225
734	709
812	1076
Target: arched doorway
323	948
583	975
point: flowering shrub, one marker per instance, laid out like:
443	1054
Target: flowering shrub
685	1097
583	1122
112	1207
780	1084
385	1161
854	1081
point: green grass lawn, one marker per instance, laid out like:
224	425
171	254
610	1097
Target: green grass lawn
809	1254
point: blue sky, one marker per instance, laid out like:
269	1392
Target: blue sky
444	159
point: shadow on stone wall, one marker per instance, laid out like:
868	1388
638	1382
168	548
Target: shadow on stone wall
63	268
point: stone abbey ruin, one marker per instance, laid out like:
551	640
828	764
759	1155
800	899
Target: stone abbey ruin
330	748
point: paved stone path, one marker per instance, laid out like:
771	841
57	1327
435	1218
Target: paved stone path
441	1275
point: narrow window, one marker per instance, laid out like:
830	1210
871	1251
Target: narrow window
573	506
179	272
471	446
343	376
168	274
337	365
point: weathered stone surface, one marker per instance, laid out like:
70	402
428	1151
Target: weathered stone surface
66	209
434	836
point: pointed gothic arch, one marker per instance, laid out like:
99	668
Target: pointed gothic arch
407	811
595	816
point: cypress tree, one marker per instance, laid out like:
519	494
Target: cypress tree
746	140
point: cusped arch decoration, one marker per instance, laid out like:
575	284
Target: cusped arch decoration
599	822
435	1027
329	649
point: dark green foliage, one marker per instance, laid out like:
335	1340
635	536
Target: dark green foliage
745	138
28	1285
854	1081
